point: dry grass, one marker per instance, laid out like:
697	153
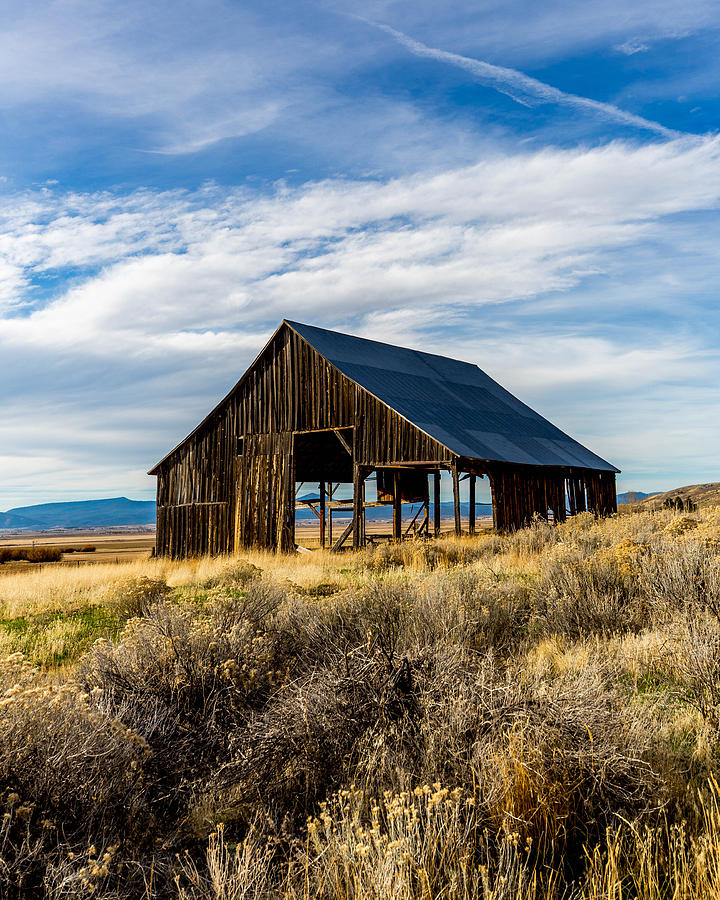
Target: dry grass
534	716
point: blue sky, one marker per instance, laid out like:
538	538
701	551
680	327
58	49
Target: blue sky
531	187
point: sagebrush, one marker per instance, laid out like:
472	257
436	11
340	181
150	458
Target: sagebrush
528	716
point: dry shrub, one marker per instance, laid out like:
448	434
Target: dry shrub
534	539
229	874
424	554
415	844
679	573
554	760
429	842
134	596
305	742
72	776
30	554
696	663
186	679
463	609
589	595
235	574
547	676
649	863
309	631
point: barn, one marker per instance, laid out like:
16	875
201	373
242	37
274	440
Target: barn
323	408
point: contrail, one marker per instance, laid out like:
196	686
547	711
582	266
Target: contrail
522	88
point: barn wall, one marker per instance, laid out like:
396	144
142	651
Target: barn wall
521	492
265	500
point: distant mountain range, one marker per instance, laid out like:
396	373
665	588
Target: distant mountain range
112	513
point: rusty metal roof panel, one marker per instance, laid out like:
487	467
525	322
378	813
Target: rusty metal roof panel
454	402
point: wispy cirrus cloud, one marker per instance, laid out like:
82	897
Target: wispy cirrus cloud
632	46
521	87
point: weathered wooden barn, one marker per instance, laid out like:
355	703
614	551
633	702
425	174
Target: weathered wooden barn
326	408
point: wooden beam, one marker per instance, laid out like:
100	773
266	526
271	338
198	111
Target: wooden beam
344	536
471	504
322	515
414	518
397	508
436	504
358	499
342	440
456	500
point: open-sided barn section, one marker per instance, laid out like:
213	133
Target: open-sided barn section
321	407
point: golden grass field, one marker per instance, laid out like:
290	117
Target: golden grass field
525	716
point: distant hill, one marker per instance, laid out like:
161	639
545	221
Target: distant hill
110	513
10	520
634	496
700	494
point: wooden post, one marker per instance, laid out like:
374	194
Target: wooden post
362	508
456	499
330	512
493	501
436	503
322	515
358	491
397	507
471	504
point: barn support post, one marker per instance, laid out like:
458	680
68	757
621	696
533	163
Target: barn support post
425	526
397	508
436	503
358	505
322	515
493	501
456	499
471	505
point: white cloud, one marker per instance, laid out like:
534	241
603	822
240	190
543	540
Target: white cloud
171	294
502	230
632	46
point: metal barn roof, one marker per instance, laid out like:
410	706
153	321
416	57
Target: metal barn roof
454	402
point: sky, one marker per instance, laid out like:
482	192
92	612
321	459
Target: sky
534	188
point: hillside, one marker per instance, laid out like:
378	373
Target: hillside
701	494
113	512
9	520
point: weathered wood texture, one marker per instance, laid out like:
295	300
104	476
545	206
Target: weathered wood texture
265	511
520	493
230	484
